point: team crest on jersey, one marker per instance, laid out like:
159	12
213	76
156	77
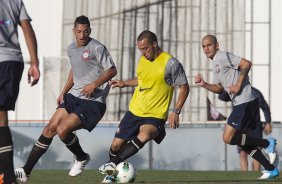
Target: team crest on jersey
87	55
217	68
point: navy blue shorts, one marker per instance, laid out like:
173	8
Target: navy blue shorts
130	124
245	117
257	133
89	112
10	77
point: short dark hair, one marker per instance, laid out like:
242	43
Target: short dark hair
81	20
213	38
149	35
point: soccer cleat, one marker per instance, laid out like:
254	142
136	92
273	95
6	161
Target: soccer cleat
21	175
276	161
109	179
78	166
108	168
270	150
269	174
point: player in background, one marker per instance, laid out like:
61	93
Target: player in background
82	102
257	132
231	75
158	73
12	15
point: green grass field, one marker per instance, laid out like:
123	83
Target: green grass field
154	177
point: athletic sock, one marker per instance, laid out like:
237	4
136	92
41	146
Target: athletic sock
6	155
73	145
256	154
39	148
112	153
129	149
246	140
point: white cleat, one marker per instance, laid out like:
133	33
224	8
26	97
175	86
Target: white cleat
78	166
21	175
269	174
272	157
276	161
108	168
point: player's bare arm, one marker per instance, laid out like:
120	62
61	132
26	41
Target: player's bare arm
215	88
29	35
245	67
173	118
105	77
66	88
122	84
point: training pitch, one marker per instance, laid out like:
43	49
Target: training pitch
154	177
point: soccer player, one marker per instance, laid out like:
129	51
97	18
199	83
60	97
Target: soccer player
12	15
257	132
231	75
158	73
82	102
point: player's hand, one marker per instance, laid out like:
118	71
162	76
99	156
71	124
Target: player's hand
88	90
117	83
199	80
234	89
173	120
33	74
267	128
60	99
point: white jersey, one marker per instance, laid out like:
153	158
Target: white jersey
226	72
88	63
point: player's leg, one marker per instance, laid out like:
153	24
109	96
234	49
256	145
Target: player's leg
64	130
245	117
41	145
146	132
85	114
109	167
243	160
256	154
10	77
255	165
6	149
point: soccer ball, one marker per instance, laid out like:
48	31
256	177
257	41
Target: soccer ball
126	173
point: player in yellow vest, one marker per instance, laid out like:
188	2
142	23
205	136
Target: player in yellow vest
157	75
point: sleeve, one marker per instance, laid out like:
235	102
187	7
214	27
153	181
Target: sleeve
234	60
174	73
263	105
23	15
104	57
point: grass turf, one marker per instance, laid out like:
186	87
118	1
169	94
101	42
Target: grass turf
154	177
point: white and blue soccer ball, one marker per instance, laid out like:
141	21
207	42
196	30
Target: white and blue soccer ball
126	173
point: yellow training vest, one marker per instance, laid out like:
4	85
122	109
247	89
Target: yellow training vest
152	96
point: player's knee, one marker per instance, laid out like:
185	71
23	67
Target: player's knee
49	130
115	146
145	137
226	138
62	132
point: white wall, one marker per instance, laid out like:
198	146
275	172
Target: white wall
47	23
276	74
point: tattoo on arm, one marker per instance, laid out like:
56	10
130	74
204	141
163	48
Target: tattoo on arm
244	71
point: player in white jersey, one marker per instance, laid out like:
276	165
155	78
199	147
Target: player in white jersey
231	75
82	102
12	15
